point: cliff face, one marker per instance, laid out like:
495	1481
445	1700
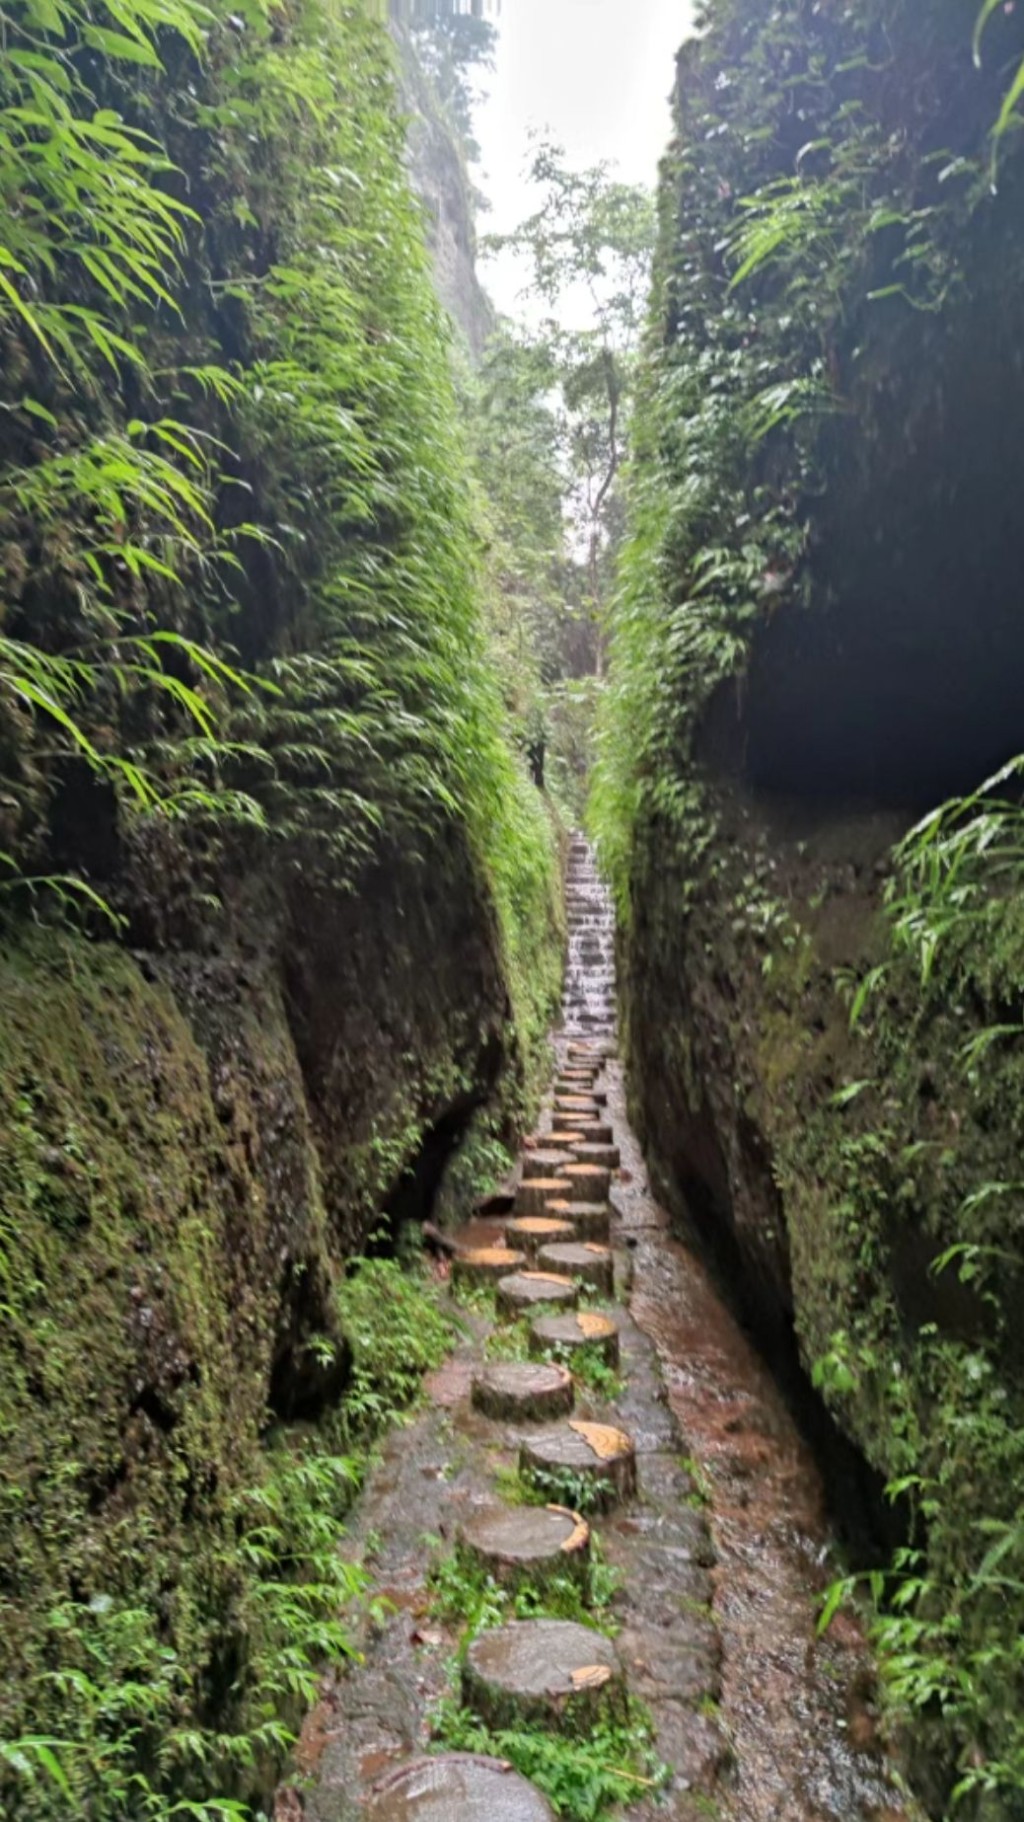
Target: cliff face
194	1144
440	176
317	930
818	640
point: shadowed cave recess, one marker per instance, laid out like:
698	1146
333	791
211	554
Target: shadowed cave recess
902	683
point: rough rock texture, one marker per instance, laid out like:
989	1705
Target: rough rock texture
441	179
830	656
193	1144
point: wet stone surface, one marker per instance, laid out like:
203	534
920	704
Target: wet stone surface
758	1719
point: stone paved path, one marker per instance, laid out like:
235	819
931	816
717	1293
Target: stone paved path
719	1558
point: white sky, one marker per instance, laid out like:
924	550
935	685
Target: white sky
597	75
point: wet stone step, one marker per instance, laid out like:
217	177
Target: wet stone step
552	1673
587	1261
484	1265
455	1787
527	1391
573	1454
545	1161
580	1332
587	1182
521	1292
535	1544
589	1220
534	1193
530	1232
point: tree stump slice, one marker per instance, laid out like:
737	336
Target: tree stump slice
552	1673
529	1233
594	1132
546	1161
607	1157
581	1119
576	1103
535	1193
575	1452
589	1220
526	1391
590	1182
563	1142
572	1334
588	1261
533	1544
455	1787
522	1292
484	1265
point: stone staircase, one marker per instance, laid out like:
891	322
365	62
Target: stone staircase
555	1250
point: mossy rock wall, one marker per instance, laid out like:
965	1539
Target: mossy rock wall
818	638
194	1144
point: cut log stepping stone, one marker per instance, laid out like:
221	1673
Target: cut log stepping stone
574	1453
529	1233
575	1333
594	1132
576	1103
590	1220
590	1152
585	1260
478	1265
521	1292
535	1193
546	1162
529	1391
551	1673
589	1182
455	1787
515	1544
563	1142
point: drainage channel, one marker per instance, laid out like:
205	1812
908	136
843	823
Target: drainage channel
700	1496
